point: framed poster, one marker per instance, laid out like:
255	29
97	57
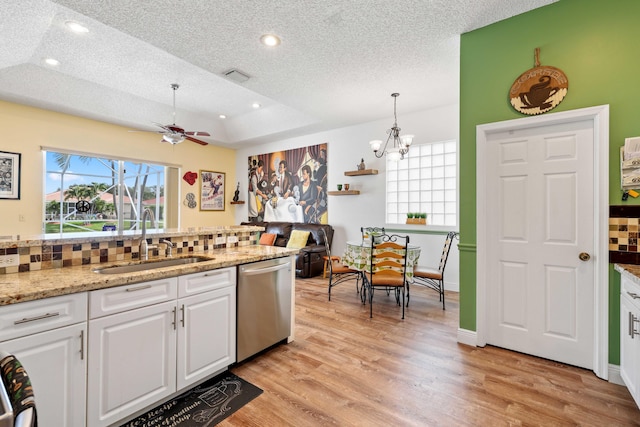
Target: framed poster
211	190
9	175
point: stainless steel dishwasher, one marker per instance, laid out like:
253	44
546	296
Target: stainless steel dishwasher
264	305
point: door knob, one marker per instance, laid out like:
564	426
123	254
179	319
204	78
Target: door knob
584	256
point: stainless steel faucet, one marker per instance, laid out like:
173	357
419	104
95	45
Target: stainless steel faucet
144	246
167	250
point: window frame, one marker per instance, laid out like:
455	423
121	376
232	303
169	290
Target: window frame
409	183
168	172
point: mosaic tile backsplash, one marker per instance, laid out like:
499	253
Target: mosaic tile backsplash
623	234
46	255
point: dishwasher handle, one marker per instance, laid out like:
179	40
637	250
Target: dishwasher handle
253	271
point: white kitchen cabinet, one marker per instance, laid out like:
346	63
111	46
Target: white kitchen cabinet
49	339
630	336
132	353
207	324
149	340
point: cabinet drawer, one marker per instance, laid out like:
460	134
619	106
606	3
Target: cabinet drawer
630	289
31	317
122	298
196	283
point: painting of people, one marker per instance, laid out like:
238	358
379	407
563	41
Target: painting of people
289	185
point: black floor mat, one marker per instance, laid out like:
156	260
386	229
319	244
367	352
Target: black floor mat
202	406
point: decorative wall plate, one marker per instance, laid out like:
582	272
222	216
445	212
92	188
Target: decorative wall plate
190	201
539	89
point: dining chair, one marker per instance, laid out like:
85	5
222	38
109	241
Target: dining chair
17	405
368	231
338	273
388	268
432	278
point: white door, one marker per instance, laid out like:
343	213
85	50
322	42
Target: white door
538	194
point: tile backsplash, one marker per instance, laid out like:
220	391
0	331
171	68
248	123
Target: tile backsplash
42	255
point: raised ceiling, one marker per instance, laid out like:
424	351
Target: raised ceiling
337	65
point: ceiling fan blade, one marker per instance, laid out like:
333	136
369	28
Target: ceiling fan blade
197	141
197	133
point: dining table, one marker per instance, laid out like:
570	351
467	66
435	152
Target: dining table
357	255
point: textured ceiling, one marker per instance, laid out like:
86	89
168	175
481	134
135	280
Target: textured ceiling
337	65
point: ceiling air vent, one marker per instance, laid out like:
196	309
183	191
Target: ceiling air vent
236	76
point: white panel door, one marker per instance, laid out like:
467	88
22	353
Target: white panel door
539	199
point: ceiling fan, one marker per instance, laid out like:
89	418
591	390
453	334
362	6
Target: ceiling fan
174	134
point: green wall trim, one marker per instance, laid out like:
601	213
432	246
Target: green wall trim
413	231
467	247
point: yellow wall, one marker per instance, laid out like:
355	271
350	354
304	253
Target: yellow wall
26	129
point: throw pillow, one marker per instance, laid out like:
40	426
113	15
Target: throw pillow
268	239
298	239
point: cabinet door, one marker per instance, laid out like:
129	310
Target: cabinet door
56	363
206	334
132	361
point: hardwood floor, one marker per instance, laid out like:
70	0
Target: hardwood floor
345	369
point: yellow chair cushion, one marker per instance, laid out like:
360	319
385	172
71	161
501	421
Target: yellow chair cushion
298	239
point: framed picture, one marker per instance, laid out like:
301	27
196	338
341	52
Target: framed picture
9	175
211	190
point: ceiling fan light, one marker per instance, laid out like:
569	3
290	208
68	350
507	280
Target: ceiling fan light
173	138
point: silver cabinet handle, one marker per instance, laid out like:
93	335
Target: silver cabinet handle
139	288
174	318
632	325
31	319
82	344
182	311
633	295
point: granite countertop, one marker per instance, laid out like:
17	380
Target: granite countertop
33	285
632	271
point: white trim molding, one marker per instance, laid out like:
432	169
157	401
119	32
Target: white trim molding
599	116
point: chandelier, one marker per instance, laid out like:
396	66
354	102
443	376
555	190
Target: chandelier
400	143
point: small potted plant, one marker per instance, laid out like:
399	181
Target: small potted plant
410	217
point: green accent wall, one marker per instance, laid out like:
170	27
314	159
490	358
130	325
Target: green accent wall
595	43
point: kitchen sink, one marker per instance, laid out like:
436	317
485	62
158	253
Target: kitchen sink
150	265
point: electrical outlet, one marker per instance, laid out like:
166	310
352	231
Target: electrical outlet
232	239
220	240
9	260
21	218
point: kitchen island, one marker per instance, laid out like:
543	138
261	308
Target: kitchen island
101	348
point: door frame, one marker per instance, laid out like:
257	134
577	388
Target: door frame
599	117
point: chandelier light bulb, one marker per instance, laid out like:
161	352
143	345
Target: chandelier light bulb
375	144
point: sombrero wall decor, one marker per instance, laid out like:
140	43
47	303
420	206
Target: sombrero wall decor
538	89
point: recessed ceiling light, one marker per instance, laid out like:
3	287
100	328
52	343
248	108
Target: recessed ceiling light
255	105
222	116
270	40
76	27
51	61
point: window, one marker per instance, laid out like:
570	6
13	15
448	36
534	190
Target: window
85	193
426	182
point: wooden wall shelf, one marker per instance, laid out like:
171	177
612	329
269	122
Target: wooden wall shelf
344	193
362	172
239	202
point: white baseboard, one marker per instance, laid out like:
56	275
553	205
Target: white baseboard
614	375
467	337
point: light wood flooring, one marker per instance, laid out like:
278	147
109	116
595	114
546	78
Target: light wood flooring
345	369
